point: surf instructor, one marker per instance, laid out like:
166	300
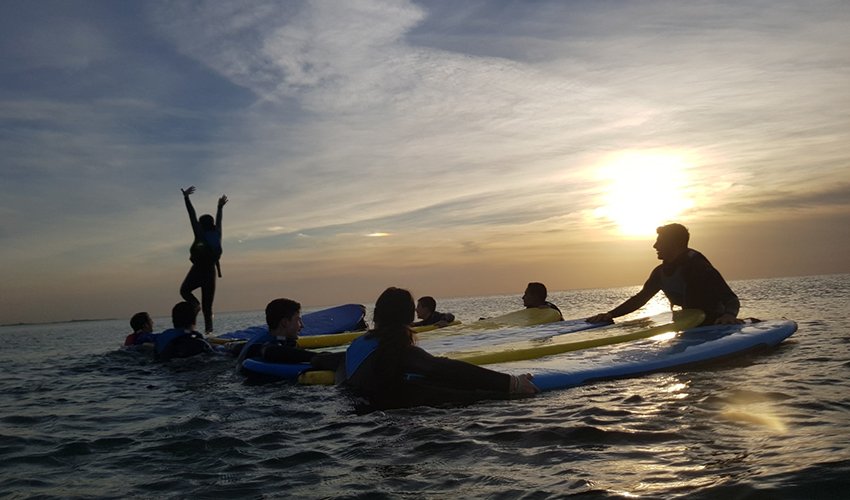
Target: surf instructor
688	280
204	254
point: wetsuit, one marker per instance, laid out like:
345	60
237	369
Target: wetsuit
435	317
689	281
553	306
427	379
202	274
139	338
178	343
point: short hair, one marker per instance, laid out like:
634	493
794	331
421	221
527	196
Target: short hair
538	289
279	309
183	315
676	233
138	321
206	222
428	302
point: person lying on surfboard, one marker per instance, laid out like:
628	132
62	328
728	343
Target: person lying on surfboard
283	317
535	296
426	311
386	368
688	280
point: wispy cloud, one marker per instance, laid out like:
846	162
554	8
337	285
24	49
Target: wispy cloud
481	121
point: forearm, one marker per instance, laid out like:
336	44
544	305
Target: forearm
193	217
631	305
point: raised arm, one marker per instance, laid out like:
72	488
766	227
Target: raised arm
221	202
193	217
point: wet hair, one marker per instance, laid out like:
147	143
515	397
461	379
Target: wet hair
538	290
675	233
183	315
428	302
394	308
394	312
207	222
280	309
139	320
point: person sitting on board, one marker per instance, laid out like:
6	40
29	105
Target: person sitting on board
182	340
686	277
535	296
204	253
280	344
426	311
142	326
386	368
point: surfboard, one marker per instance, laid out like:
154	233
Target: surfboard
334	320
697	345
495	349
558	344
522	317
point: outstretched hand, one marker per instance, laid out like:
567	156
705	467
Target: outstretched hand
728	319
600	318
189	190
222	201
522	384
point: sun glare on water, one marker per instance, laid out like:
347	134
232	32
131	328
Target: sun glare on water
644	191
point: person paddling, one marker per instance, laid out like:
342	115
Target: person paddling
204	253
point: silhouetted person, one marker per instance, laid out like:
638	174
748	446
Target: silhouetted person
204	254
280	345
142	326
686	277
535	296
181	341
426	311
387	368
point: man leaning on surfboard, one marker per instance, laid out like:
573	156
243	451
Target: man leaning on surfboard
686	277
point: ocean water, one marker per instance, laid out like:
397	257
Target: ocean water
82	418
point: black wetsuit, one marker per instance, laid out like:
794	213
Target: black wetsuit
435	317
202	274
427	380
689	281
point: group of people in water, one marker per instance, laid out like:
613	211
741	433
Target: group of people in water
384	365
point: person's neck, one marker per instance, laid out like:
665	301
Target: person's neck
676	256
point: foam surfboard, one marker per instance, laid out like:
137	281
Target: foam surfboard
334	320
500	352
344	338
522	317
558	344
697	345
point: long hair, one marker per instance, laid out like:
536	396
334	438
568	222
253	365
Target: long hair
394	312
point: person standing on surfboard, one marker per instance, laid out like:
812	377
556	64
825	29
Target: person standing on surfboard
535	296
204	253
688	280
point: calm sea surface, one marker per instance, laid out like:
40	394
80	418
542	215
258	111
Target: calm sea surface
80	417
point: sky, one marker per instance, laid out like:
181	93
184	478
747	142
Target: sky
453	148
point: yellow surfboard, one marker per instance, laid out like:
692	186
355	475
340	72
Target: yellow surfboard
614	334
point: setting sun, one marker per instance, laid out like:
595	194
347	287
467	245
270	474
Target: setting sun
644	191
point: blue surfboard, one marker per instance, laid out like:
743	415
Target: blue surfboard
337	319
697	345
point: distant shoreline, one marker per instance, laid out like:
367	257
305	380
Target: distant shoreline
57	322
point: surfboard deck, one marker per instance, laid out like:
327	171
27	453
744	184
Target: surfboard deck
574	341
693	346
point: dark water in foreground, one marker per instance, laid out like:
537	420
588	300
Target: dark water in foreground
81	418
